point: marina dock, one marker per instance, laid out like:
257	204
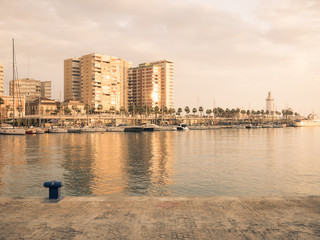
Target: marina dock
161	218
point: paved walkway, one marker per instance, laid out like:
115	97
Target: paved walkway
161	218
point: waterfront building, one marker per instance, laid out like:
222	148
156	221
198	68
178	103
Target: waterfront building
1	79
11	103
41	106
151	84
30	88
270	103
97	80
76	107
72	79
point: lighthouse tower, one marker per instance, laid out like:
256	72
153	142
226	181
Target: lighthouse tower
270	103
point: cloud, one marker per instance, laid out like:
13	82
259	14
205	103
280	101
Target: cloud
218	53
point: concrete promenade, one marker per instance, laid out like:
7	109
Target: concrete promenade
161	218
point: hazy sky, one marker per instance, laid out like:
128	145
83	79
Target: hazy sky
230	52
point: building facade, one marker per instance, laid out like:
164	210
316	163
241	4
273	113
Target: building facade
72	79
12	107
29	88
97	80
1	79
270	103
46	89
151	84
42	106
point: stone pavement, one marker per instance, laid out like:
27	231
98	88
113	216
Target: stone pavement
161	218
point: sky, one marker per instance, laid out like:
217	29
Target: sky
227	54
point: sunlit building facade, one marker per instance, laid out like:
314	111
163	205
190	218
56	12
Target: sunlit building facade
97	80
30	88
270	103
12	106
151	84
1	79
72	79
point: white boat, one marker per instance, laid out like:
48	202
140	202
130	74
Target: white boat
198	127
312	121
115	129
88	129
74	130
236	126
167	128
57	130
307	123
39	131
214	127
10	130
99	129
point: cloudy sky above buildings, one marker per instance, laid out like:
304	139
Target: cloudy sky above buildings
229	53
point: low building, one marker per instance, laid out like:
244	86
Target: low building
42	106
8	106
75	107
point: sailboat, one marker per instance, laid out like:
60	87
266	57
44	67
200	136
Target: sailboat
11	130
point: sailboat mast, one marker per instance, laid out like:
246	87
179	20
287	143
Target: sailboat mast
14	104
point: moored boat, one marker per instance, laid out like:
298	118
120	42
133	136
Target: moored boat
198	127
182	127
133	129
10	130
39	131
31	131
57	130
74	130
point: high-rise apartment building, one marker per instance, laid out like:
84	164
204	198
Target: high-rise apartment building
30	88
1	79
97	80
46	89
151	84
72	79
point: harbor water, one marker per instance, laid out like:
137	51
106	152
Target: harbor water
225	162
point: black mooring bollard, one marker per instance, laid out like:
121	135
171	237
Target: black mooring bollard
54	189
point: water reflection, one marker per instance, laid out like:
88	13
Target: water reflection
234	162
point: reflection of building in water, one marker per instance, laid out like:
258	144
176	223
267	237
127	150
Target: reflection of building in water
79	157
108	166
162	161
12	156
149	163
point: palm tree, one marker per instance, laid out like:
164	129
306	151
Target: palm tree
194	110
156	112
209	111
179	111
201	110
187	110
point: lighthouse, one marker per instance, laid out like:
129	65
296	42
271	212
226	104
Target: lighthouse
270	103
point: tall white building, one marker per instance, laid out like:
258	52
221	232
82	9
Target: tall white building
152	84
72	79
270	103
97	80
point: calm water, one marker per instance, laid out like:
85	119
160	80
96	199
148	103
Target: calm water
256	162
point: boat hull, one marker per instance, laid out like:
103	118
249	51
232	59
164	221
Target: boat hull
12	131
307	123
